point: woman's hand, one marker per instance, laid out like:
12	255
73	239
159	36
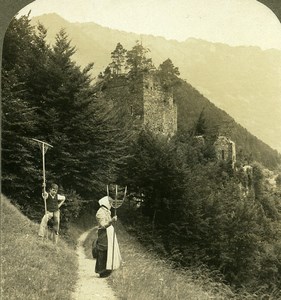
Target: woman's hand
114	219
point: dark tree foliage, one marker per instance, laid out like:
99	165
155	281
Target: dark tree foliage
168	74
19	118
168	69
217	226
153	171
190	104
19	170
136	60
48	97
195	212
200	127
118	57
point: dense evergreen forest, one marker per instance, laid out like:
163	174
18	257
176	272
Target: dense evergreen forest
182	202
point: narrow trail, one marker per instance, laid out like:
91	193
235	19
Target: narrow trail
89	285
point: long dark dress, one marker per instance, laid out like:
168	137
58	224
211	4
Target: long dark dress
106	260
102	251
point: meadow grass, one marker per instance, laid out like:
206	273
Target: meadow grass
35	269
32	268
144	276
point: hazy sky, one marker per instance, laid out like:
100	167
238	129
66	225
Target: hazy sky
234	22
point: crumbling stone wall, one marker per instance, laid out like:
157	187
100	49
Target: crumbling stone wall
144	100
225	149
160	110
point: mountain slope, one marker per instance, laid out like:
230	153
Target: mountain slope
243	81
248	147
32	268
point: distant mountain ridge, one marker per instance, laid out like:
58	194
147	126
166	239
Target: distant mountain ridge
243	81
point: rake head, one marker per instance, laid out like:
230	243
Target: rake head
117	193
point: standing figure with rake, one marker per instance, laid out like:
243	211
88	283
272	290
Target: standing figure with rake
51	199
108	253
53	202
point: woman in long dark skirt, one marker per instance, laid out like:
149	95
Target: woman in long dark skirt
106	260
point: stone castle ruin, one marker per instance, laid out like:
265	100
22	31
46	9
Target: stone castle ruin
225	149
145	100
153	107
160	110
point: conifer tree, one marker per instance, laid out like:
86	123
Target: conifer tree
168	74
154	170
37	78
54	100
168	68
200	126
19	118
118	57
136	60
75	123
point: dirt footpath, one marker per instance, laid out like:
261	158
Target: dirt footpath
89	285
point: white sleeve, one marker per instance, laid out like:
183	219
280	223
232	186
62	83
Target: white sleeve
102	219
61	197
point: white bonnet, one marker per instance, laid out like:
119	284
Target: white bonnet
105	201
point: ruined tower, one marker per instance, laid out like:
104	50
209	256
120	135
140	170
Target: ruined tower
225	149
144	100
160	110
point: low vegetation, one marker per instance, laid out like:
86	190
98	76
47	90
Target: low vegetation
144	276
36	269
203	212
30	267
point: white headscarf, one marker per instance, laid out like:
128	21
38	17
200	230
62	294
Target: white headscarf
105	201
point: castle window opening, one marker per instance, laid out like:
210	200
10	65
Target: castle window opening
222	154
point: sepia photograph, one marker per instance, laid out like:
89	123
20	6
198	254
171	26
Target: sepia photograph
140	149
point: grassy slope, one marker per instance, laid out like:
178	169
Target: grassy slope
32	268
146	277
36	269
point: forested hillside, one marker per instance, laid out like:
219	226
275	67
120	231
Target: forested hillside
183	203
191	106
243	81
48	97
249	148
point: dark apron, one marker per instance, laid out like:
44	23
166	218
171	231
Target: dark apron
101	251
102	239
